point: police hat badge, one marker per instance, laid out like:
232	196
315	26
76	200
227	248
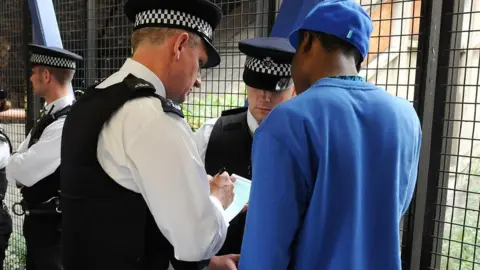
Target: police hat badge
284	83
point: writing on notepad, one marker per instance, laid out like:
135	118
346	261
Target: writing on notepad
242	194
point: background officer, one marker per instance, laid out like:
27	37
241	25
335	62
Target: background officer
35	165
227	141
5	152
135	194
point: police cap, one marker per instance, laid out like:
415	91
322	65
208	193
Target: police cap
197	16
268	63
53	57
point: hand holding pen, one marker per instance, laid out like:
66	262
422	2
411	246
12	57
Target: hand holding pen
222	188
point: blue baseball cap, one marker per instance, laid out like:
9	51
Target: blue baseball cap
344	19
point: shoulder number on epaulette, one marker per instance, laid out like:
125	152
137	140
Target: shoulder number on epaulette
135	83
170	107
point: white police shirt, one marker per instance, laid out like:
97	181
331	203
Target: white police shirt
202	136
30	165
4	153
151	152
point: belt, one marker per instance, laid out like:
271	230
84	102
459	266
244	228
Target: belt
48	207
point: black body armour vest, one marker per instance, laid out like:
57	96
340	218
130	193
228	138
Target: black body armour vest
3	174
230	146
49	186
104	225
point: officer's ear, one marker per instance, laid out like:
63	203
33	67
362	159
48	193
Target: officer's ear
180	44
45	74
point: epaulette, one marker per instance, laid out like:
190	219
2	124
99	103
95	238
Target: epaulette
170	107
234	111
140	86
134	83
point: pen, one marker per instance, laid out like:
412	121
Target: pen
222	170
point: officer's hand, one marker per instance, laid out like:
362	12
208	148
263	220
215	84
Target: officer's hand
226	262
221	187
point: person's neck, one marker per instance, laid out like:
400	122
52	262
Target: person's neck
159	68
55	95
337	65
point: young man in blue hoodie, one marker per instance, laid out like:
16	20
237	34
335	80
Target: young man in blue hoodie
341	157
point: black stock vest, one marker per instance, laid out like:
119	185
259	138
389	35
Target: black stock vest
230	146
49	186
3	175
104	225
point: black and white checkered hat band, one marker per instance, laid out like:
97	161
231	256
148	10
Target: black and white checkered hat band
173	17
52	61
268	66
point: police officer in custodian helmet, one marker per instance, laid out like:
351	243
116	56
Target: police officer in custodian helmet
135	193
35	165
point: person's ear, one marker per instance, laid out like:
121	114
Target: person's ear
305	44
46	75
179	45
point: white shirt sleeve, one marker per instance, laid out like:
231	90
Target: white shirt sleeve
4	154
202	136
39	161
24	145
157	151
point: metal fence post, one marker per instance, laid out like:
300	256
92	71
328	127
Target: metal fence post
92	36
432	78
31	112
45	24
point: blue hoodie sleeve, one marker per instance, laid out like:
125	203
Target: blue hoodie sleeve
414	168
278	200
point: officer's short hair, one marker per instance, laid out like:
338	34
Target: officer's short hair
61	75
158	35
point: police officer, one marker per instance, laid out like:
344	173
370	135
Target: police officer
343	156
135	194
5	152
227	141
35	165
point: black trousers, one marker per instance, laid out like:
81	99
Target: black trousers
42	235
233	242
5	232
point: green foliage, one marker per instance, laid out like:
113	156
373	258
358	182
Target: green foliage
201	109
461	233
16	255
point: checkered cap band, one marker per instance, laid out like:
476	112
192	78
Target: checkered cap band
52	61
268	66
173	17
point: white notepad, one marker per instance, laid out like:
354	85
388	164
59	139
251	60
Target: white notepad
242	194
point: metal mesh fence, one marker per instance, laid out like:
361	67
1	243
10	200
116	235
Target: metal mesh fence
222	87
458	202
13	81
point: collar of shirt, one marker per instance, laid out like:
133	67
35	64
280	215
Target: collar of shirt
59	104
252	123
137	69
